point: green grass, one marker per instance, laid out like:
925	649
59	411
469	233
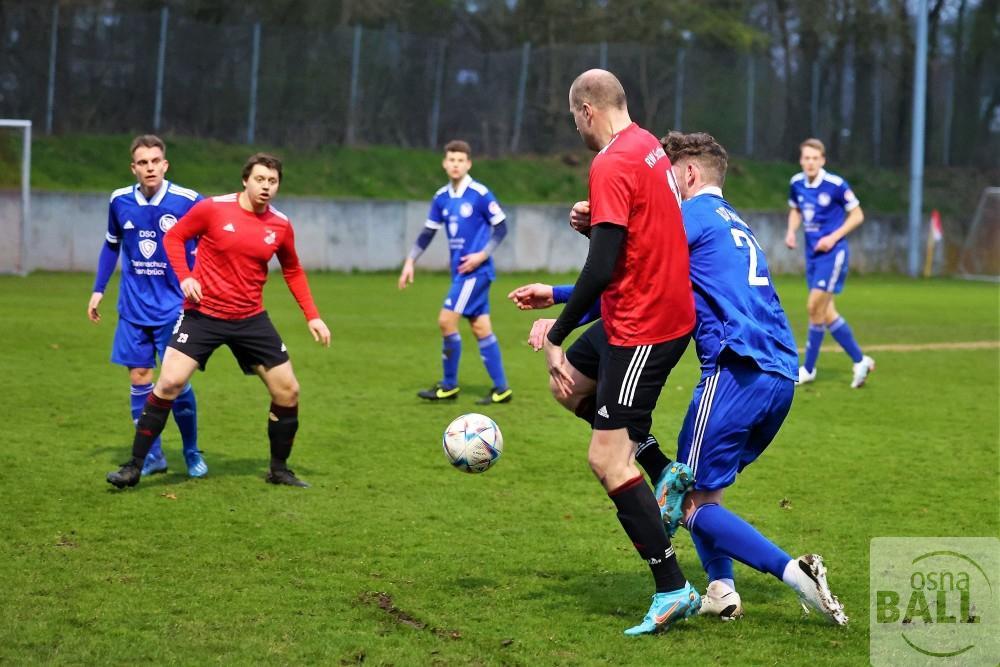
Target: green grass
99	163
523	565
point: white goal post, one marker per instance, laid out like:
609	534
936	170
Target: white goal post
25	126
980	257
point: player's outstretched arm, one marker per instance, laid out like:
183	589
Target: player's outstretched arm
320	332
535	296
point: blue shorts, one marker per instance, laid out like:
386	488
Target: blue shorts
828	272
469	295
734	415
139	345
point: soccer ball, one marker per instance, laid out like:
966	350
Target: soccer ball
472	442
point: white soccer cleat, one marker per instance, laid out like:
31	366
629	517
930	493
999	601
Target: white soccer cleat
805	376
861	371
814	593
722	602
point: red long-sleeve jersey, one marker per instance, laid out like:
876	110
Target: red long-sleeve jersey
234	248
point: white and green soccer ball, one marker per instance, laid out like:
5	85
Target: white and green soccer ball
472	442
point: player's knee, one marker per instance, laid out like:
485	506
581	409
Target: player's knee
168	387
140	375
287	393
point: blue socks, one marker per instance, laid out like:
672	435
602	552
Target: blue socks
722	533
138	397
489	351
186	416
815	340
717	564
842	333
451	352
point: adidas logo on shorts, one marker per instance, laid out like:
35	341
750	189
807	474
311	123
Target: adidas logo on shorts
603	411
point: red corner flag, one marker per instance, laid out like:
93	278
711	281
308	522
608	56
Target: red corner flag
936	226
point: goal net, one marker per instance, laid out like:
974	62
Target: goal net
980	258
15	194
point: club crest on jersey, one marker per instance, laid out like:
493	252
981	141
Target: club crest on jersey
494	207
269	239
808	213
823	199
167	221
465	210
453	228
147	247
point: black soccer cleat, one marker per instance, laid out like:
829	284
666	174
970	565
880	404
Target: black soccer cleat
439	393
496	396
284	476
128	475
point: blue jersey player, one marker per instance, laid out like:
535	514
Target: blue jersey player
748	361
150	298
475	226
826	207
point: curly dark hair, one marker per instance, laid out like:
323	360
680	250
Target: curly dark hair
700	146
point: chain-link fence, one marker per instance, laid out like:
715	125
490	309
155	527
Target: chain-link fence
75	69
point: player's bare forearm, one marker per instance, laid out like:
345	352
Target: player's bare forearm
794	221
854	219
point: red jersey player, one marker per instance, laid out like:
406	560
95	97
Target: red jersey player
638	266
238	234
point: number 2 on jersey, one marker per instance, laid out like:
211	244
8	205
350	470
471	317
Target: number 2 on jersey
739	236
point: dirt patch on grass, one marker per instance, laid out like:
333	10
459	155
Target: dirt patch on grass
384	602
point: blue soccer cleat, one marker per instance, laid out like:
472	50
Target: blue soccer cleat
670	490
155	462
667	609
195	463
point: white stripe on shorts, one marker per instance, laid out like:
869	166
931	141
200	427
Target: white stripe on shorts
463	296
701	421
627	391
838	264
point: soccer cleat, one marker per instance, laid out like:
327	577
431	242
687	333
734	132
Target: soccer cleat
805	376
670	491
496	397
667	609
861	371
814	593
195	463
439	393
284	476
722	602
154	464
127	475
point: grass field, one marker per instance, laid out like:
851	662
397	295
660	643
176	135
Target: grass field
99	163
392	557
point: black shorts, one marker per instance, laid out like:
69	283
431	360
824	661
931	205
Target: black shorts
587	351
253	341
629	382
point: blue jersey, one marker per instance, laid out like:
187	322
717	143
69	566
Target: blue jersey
823	203
150	294
735	301
467	215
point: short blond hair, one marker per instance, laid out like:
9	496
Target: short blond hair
813	142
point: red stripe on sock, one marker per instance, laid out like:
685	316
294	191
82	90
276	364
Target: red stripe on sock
158	402
631	484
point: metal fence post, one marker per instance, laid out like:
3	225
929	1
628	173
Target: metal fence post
254	67
160	62
436	105
751	89
53	49
515	139
352	109
917	141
